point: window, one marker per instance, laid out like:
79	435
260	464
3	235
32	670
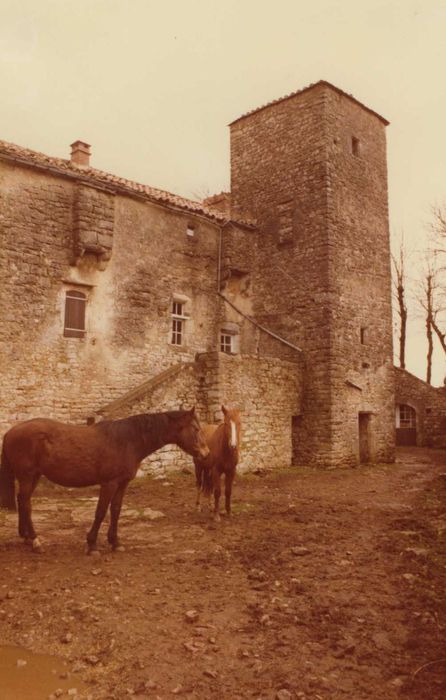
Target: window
226	344
363	335
407	416
285	222
190	231
229	338
74	322
356	146
178	323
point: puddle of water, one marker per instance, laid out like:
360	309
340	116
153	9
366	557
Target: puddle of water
28	676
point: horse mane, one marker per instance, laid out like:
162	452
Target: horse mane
141	426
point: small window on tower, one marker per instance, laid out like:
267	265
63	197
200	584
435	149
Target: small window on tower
285	222
356	146
363	335
74	321
190	231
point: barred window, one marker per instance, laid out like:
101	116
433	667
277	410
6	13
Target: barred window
74	322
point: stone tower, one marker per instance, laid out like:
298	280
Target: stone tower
311	168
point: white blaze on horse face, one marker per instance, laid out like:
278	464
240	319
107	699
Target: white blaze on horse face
233	442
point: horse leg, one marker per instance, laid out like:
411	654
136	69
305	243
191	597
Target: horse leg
198	474
105	496
26	527
229	478
115	509
217	492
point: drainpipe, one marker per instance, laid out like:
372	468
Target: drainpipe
233	306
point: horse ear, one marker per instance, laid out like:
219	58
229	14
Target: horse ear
192	411
224	409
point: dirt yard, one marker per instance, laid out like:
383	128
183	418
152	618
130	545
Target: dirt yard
323	586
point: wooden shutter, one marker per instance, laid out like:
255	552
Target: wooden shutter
74	325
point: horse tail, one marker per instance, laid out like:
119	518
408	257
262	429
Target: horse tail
7	483
206	481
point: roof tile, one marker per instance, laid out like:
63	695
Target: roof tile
11	150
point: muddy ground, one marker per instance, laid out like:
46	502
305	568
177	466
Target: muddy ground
323	586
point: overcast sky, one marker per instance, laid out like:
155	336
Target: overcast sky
153	85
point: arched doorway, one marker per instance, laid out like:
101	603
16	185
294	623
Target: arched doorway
406	425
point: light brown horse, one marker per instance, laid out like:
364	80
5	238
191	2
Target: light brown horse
223	440
107	453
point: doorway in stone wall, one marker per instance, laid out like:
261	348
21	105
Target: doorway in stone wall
364	437
296	438
406	425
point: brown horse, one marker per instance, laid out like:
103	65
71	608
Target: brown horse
223	441
107	453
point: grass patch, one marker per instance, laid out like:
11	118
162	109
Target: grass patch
241	507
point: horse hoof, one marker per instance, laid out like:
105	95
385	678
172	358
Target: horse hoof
119	548
93	552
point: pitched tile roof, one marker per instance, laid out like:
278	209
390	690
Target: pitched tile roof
67	168
310	87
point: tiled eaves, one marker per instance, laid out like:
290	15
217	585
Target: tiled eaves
306	89
113	183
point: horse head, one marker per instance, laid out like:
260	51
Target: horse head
232	427
187	433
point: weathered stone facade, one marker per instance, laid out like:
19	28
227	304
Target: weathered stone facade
304	293
311	169
429	405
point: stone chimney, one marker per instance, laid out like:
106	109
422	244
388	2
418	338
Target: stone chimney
80	153
221	201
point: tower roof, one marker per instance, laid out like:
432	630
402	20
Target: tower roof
305	89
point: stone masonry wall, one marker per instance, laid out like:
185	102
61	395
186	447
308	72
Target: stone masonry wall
359	280
268	393
130	258
129	300
93	223
322	262
429	403
278	176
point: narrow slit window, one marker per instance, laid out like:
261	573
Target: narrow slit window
74	322
363	335
356	146
285	222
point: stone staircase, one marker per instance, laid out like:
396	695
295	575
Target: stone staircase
110	409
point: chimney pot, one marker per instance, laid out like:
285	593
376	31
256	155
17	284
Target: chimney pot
80	153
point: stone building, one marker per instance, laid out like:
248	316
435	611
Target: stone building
118	298
420	411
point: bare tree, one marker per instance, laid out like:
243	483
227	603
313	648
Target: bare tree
438	230
438	248
399	291
429	309
429	297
